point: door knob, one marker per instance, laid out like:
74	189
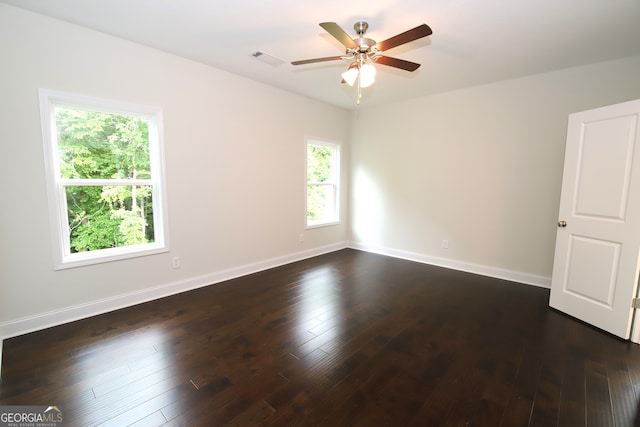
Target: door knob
562	224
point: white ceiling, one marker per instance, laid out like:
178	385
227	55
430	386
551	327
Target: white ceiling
473	42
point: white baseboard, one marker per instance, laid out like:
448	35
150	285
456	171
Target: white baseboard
483	270
69	314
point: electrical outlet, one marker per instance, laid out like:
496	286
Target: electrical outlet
445	244
175	262
301	237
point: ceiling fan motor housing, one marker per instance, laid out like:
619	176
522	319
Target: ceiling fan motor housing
364	44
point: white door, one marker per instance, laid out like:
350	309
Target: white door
595	271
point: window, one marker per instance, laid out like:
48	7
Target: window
323	177
104	179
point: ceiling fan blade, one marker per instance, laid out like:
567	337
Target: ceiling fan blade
406	37
341	35
397	63
311	61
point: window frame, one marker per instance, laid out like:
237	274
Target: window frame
335	182
56	194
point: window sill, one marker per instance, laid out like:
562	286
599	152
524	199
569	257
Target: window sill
321	224
108	255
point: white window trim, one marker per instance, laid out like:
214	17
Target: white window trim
335	182
62	256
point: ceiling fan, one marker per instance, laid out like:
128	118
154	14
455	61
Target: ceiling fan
364	52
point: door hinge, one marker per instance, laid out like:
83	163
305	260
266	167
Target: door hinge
635	303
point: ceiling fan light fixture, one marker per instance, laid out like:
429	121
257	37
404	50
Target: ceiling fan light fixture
351	74
367	75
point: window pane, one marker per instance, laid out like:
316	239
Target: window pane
94	145
102	217
320	203
319	163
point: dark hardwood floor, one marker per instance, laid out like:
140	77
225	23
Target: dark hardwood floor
344	339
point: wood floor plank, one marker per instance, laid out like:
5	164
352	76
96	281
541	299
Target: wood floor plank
145	408
153	420
598	397
346	338
571	411
623	395
546	401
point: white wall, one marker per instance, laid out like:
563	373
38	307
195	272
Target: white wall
479	167
234	152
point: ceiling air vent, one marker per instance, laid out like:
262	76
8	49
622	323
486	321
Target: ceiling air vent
267	59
